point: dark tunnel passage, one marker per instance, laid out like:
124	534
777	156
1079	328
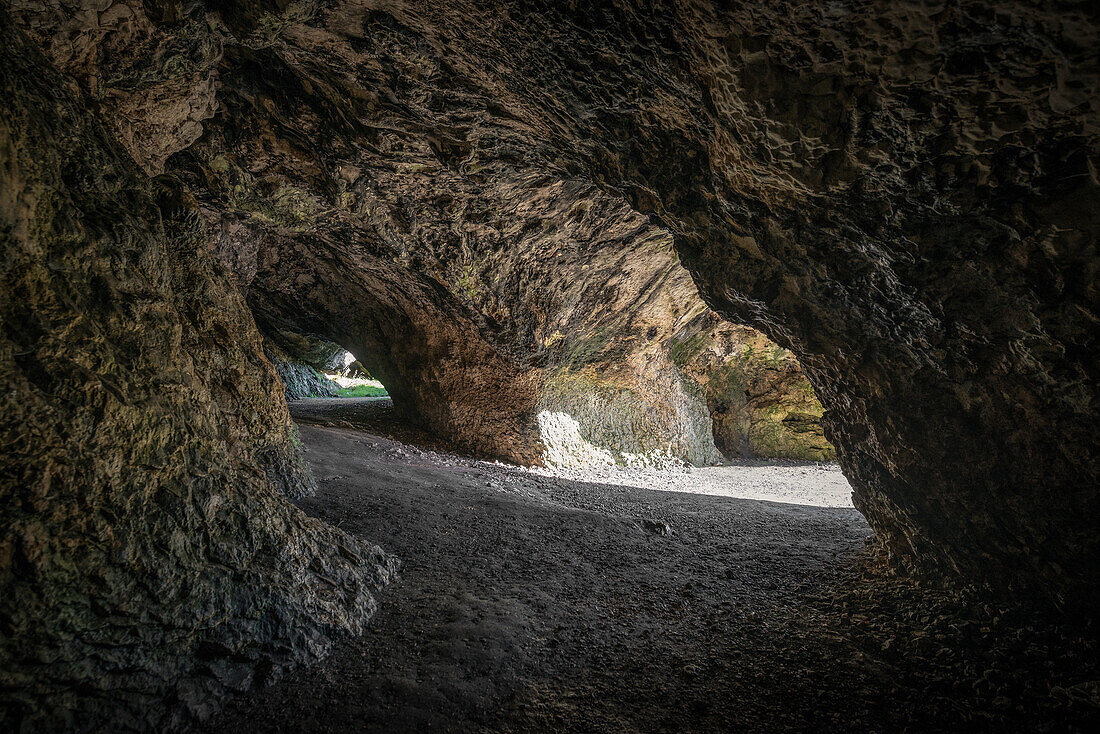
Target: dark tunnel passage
425	346
558	234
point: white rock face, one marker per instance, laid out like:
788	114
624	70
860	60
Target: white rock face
566	448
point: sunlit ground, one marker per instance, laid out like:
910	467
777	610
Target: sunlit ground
353	387
797	483
570	455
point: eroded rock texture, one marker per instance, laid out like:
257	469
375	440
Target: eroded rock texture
149	559
760	402
481	289
300	379
902	194
481	198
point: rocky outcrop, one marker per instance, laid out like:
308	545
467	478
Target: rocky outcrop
300	380
522	259
150	560
759	401
157	87
897	194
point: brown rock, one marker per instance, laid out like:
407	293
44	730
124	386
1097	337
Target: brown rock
149	552
480	203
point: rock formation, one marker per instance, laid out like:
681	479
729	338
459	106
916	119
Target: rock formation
300	379
890	191
150	559
504	293
494	205
759	401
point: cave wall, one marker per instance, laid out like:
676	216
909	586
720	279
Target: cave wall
901	194
300	380
555	295
426	347
150	559
758	400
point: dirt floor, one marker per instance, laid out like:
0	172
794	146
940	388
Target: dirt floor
739	598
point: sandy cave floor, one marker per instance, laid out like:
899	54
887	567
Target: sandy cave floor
742	598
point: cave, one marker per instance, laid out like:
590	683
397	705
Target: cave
839	257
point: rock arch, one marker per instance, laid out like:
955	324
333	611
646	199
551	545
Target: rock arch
851	183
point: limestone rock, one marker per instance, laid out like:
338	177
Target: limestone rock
482	201
900	194
760	402
300	380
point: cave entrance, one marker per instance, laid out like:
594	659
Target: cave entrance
649	377
705	392
312	367
356	380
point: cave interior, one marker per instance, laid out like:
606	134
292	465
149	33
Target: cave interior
854	242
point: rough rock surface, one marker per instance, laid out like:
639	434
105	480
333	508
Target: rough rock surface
759	401
902	194
300	380
509	293
150	560
158	88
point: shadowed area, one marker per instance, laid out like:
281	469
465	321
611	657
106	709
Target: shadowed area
533	603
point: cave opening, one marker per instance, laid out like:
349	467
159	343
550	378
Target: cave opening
325	370
638	283
666	386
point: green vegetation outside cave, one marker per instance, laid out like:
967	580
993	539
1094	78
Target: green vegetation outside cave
362	391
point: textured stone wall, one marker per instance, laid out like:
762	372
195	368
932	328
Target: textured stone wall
159	88
299	379
150	560
902	194
426	346
307	182
759	402
899	193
